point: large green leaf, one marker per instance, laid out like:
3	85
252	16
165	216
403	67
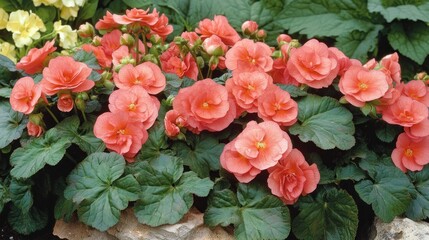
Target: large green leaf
21	195
255	213
202	155
49	149
409	9
4	196
389	191
325	122
156	142
12	124
88	10
410	40
28	221
166	192
419	207
333	214
357	44
69	128
325	17
101	191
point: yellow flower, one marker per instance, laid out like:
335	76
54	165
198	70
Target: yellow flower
8	50
68	37
25	27
69	8
44	2
3	18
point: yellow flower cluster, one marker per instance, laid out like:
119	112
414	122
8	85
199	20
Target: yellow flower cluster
8	50
68	37
25	27
3	18
69	8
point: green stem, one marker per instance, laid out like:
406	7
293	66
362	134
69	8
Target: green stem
146	49
83	115
52	114
200	74
209	73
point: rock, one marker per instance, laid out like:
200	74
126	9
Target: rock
399	229
190	227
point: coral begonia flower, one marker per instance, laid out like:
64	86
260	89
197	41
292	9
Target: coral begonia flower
135	102
110	42
34	130
107	22
65	102
24	95
102	59
262	144
248	56
148	75
276	105
405	112
418	130
240	166
390	66
119	133
313	64
293	177
360	85
220	27
34	61
64	73
247	87
411	154
161	27
205	105
418	91
173	121
171	62
137	16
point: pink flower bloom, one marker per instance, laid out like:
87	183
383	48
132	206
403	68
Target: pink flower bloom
64	73
248	56
293	177
410	154
35	59
262	144
191	37
234	162
405	112
313	64
417	90
360	85
65	102
343	61
172	62
220	27
137	16
24	95
205	105
249	27
110	42
107	23
214	46
418	130
173	121
276	105
102	59
34	130
390	66
136	103
280	73
247	87
120	134
283	38
161	27
147	74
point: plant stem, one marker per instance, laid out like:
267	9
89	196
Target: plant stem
209	72
52	114
83	115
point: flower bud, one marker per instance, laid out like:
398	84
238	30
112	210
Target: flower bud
82	95
261	34
213	62
214	46
86	30
421	76
200	62
169	100
80	104
109	84
150	58
127	40
155	39
283	39
37	118
180	41
96	41
249	27
277	54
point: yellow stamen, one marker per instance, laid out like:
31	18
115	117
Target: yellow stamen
408	152
260	145
363	86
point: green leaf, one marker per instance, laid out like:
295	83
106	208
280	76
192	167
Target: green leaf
202	156
5	92
12	124
294	91
27	222
255	213
389	190
88	10
325	17
357	44
324	121
419	207
156	142
410	9
4	196
20	194
64	208
68	128
49	149
387	132
88	58
10	5
97	185
138	3
350	172
332	214
7	63
410	40
166	193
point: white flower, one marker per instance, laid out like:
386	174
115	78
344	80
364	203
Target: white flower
25	27
68	36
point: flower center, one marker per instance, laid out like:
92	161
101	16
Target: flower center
408	152
250	87
260	145
122	131
132	107
205	105
406	116
363	86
